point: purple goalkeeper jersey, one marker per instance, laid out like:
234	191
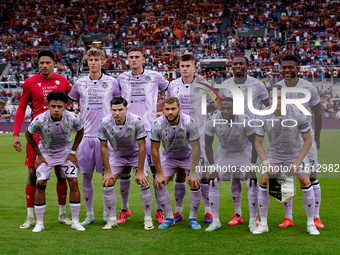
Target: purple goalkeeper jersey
259	93
231	138
94	99
123	138
175	139
284	133
141	92
55	135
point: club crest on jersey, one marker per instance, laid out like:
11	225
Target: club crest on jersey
147	78
129	130
196	90
57	82
105	85
181	131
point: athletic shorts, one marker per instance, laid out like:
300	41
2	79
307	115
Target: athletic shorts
304	168
89	156
118	164
67	169
30	153
171	166
231	164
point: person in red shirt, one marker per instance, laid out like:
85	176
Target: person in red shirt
35	91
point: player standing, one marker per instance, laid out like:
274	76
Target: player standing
232	157
125	132
290	69
259	94
189	92
140	88
35	91
287	151
55	149
94	92
181	150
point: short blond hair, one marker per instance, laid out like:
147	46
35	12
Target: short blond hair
95	52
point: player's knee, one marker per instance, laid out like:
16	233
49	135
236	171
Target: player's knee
264	181
125	177
41	185
205	180
304	182
111	183
180	176
73	183
31	176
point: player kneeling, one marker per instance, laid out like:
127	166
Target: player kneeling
286	150
125	133
181	150
54	127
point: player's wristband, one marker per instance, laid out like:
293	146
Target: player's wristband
73	152
266	162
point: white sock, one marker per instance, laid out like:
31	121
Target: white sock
207	210
252	220
90	213
264	221
310	221
179	210
30	212
147	218
62	209
216	219
113	218
289	216
238	210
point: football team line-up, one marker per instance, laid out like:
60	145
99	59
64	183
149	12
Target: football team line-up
122	125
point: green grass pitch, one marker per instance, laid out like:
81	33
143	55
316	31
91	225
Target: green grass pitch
131	238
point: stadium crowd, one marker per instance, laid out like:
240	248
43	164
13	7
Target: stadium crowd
167	29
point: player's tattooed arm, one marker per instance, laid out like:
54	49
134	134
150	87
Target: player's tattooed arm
109	178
